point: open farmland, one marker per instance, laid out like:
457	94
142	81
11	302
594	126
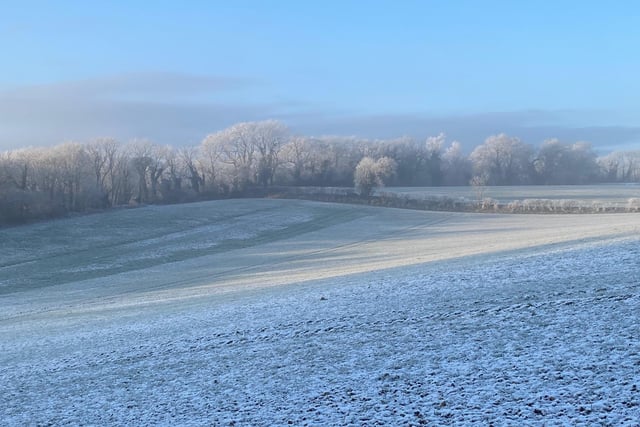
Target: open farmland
614	195
276	312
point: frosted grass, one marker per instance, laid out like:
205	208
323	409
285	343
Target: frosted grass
383	318
549	337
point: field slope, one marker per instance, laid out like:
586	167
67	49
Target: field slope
276	312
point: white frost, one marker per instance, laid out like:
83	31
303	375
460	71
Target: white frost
544	336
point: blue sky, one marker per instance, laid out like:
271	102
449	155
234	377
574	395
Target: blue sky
174	71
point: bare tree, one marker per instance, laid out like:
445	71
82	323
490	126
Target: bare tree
72	163
621	166
103	156
111	167
504	160
456	166
479	185
42	182
338	157
235	147
17	169
269	136
190	160
6	177
609	165
144	163
434	145
583	163
250	148
412	160
297	153
174	169
212	152
558	163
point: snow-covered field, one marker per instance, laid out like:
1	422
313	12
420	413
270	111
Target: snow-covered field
604	194
273	312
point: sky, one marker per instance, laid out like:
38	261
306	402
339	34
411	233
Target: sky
175	71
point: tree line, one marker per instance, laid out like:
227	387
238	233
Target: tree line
73	177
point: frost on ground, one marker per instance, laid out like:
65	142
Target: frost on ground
544	336
74	249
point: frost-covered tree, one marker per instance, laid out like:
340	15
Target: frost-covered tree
297	155
19	169
558	163
212	152
72	164
250	150
233	147
504	160
583	163
621	166
370	174
105	155
551	162
418	163
43	182
336	159
149	161
434	145
270	136
456	166
193	169
365	177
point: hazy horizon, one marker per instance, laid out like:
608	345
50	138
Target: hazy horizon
174	73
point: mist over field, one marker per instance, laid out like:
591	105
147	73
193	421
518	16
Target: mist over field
276	312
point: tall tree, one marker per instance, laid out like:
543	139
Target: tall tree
270	136
148	161
457	167
194	171
558	163
504	160
297	155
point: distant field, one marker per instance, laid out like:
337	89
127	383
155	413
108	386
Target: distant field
271	312
612	194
